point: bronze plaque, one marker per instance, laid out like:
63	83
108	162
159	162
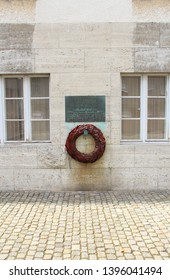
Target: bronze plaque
85	108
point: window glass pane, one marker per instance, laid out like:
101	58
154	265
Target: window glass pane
40	130
156	129
131	108
40	109
156	107
14	109
14	87
130	86
15	130
130	129
156	86
40	87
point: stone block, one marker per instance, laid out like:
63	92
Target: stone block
37	180
115	80
4	35
146	34
113	110
51	157
152	156
20	36
85	144
18	156
16	61
55	132
54	84
152	59
65	128
163	178
59	60
122	178
57	108
85	179
145	178
109	60
122	34
85	35
6	179
164	35
134	178
122	156
46	35
115	132
84	84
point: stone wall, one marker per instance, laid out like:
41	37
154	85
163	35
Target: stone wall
84	52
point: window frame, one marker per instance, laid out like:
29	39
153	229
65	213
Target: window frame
144	107
27	109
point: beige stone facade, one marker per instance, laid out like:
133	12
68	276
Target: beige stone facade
84	46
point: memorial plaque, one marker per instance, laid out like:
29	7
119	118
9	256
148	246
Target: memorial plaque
85	108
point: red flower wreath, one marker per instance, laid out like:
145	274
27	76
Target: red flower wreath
99	143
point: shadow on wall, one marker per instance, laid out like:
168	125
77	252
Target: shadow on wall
86	179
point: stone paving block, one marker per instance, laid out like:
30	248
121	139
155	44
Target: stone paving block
39	255
143	211
47	257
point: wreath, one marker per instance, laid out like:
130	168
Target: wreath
99	143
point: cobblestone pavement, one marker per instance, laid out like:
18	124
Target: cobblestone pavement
85	225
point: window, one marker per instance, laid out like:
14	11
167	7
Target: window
24	104
145	107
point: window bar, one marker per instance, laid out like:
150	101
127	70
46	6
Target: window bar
27	109
1	111
3	135
144	94
167	108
